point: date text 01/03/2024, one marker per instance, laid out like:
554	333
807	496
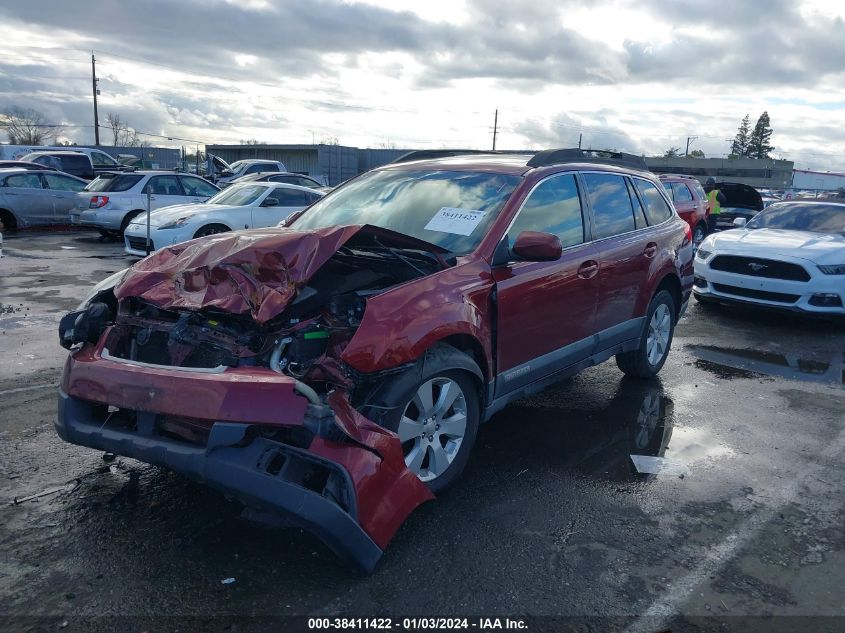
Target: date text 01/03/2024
413	624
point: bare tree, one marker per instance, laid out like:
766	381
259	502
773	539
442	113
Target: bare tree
122	134
26	126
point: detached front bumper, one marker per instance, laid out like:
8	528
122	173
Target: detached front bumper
353	491
264	475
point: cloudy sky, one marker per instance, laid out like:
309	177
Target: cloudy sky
634	75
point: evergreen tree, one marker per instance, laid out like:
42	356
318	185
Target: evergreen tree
739	147
758	143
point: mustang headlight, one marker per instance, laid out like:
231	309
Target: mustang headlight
703	254
837	269
175	224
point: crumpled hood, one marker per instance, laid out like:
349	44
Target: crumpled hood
821	248
255	272
168	214
248	272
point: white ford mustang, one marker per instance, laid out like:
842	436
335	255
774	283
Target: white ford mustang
245	206
789	256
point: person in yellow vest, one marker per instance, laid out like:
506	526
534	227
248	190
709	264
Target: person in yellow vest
715	200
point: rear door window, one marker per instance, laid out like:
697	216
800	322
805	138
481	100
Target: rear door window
668	187
613	213
656	209
553	207
289	197
639	213
63	183
681	192
164	186
197	187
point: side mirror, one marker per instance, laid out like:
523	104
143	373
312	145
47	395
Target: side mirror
291	218
740	222
226	172
270	202
533	246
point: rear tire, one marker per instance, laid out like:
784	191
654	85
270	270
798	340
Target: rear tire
648	359
127	220
211	229
8	221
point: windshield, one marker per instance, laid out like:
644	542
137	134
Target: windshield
237	166
238	195
462	205
797	216
113	183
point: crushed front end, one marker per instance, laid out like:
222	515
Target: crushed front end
223	364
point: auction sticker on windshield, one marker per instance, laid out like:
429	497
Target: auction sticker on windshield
455	221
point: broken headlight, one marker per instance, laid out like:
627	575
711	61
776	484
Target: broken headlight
106	284
84	326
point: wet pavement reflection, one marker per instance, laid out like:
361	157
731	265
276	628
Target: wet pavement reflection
595	428
730	363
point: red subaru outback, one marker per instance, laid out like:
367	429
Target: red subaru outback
333	373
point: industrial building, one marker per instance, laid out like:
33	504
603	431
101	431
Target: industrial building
337	163
817	180
765	173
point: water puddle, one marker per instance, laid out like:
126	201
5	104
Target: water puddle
730	363
625	433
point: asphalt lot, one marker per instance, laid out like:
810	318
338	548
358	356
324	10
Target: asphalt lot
550	518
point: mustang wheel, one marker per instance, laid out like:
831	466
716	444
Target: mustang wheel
435	412
211	229
648	358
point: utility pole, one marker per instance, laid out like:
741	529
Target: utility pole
96	91
579	140
495	127
690	139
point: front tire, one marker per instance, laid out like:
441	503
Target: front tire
648	359
211	229
435	411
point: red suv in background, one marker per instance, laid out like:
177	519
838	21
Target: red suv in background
334	372
690	202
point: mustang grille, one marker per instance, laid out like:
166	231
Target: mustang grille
779	297
755	267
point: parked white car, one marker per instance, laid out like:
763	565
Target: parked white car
789	256
110	201
243	206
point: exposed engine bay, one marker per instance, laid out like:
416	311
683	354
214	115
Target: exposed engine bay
303	341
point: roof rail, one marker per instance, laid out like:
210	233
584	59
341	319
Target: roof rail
426	154
577	155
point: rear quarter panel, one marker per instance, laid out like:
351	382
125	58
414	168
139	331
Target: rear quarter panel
674	257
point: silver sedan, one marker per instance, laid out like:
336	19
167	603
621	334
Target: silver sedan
35	198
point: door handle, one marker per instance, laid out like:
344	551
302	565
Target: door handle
588	269
650	250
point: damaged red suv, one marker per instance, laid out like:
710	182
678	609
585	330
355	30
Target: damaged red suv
332	374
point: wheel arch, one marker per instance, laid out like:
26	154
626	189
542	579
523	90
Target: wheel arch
671	283
9	213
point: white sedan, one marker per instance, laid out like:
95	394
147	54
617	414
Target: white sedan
245	206
789	256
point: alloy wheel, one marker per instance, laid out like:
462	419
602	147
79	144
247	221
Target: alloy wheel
659	329
433	427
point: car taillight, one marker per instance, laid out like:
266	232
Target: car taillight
98	201
687	234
